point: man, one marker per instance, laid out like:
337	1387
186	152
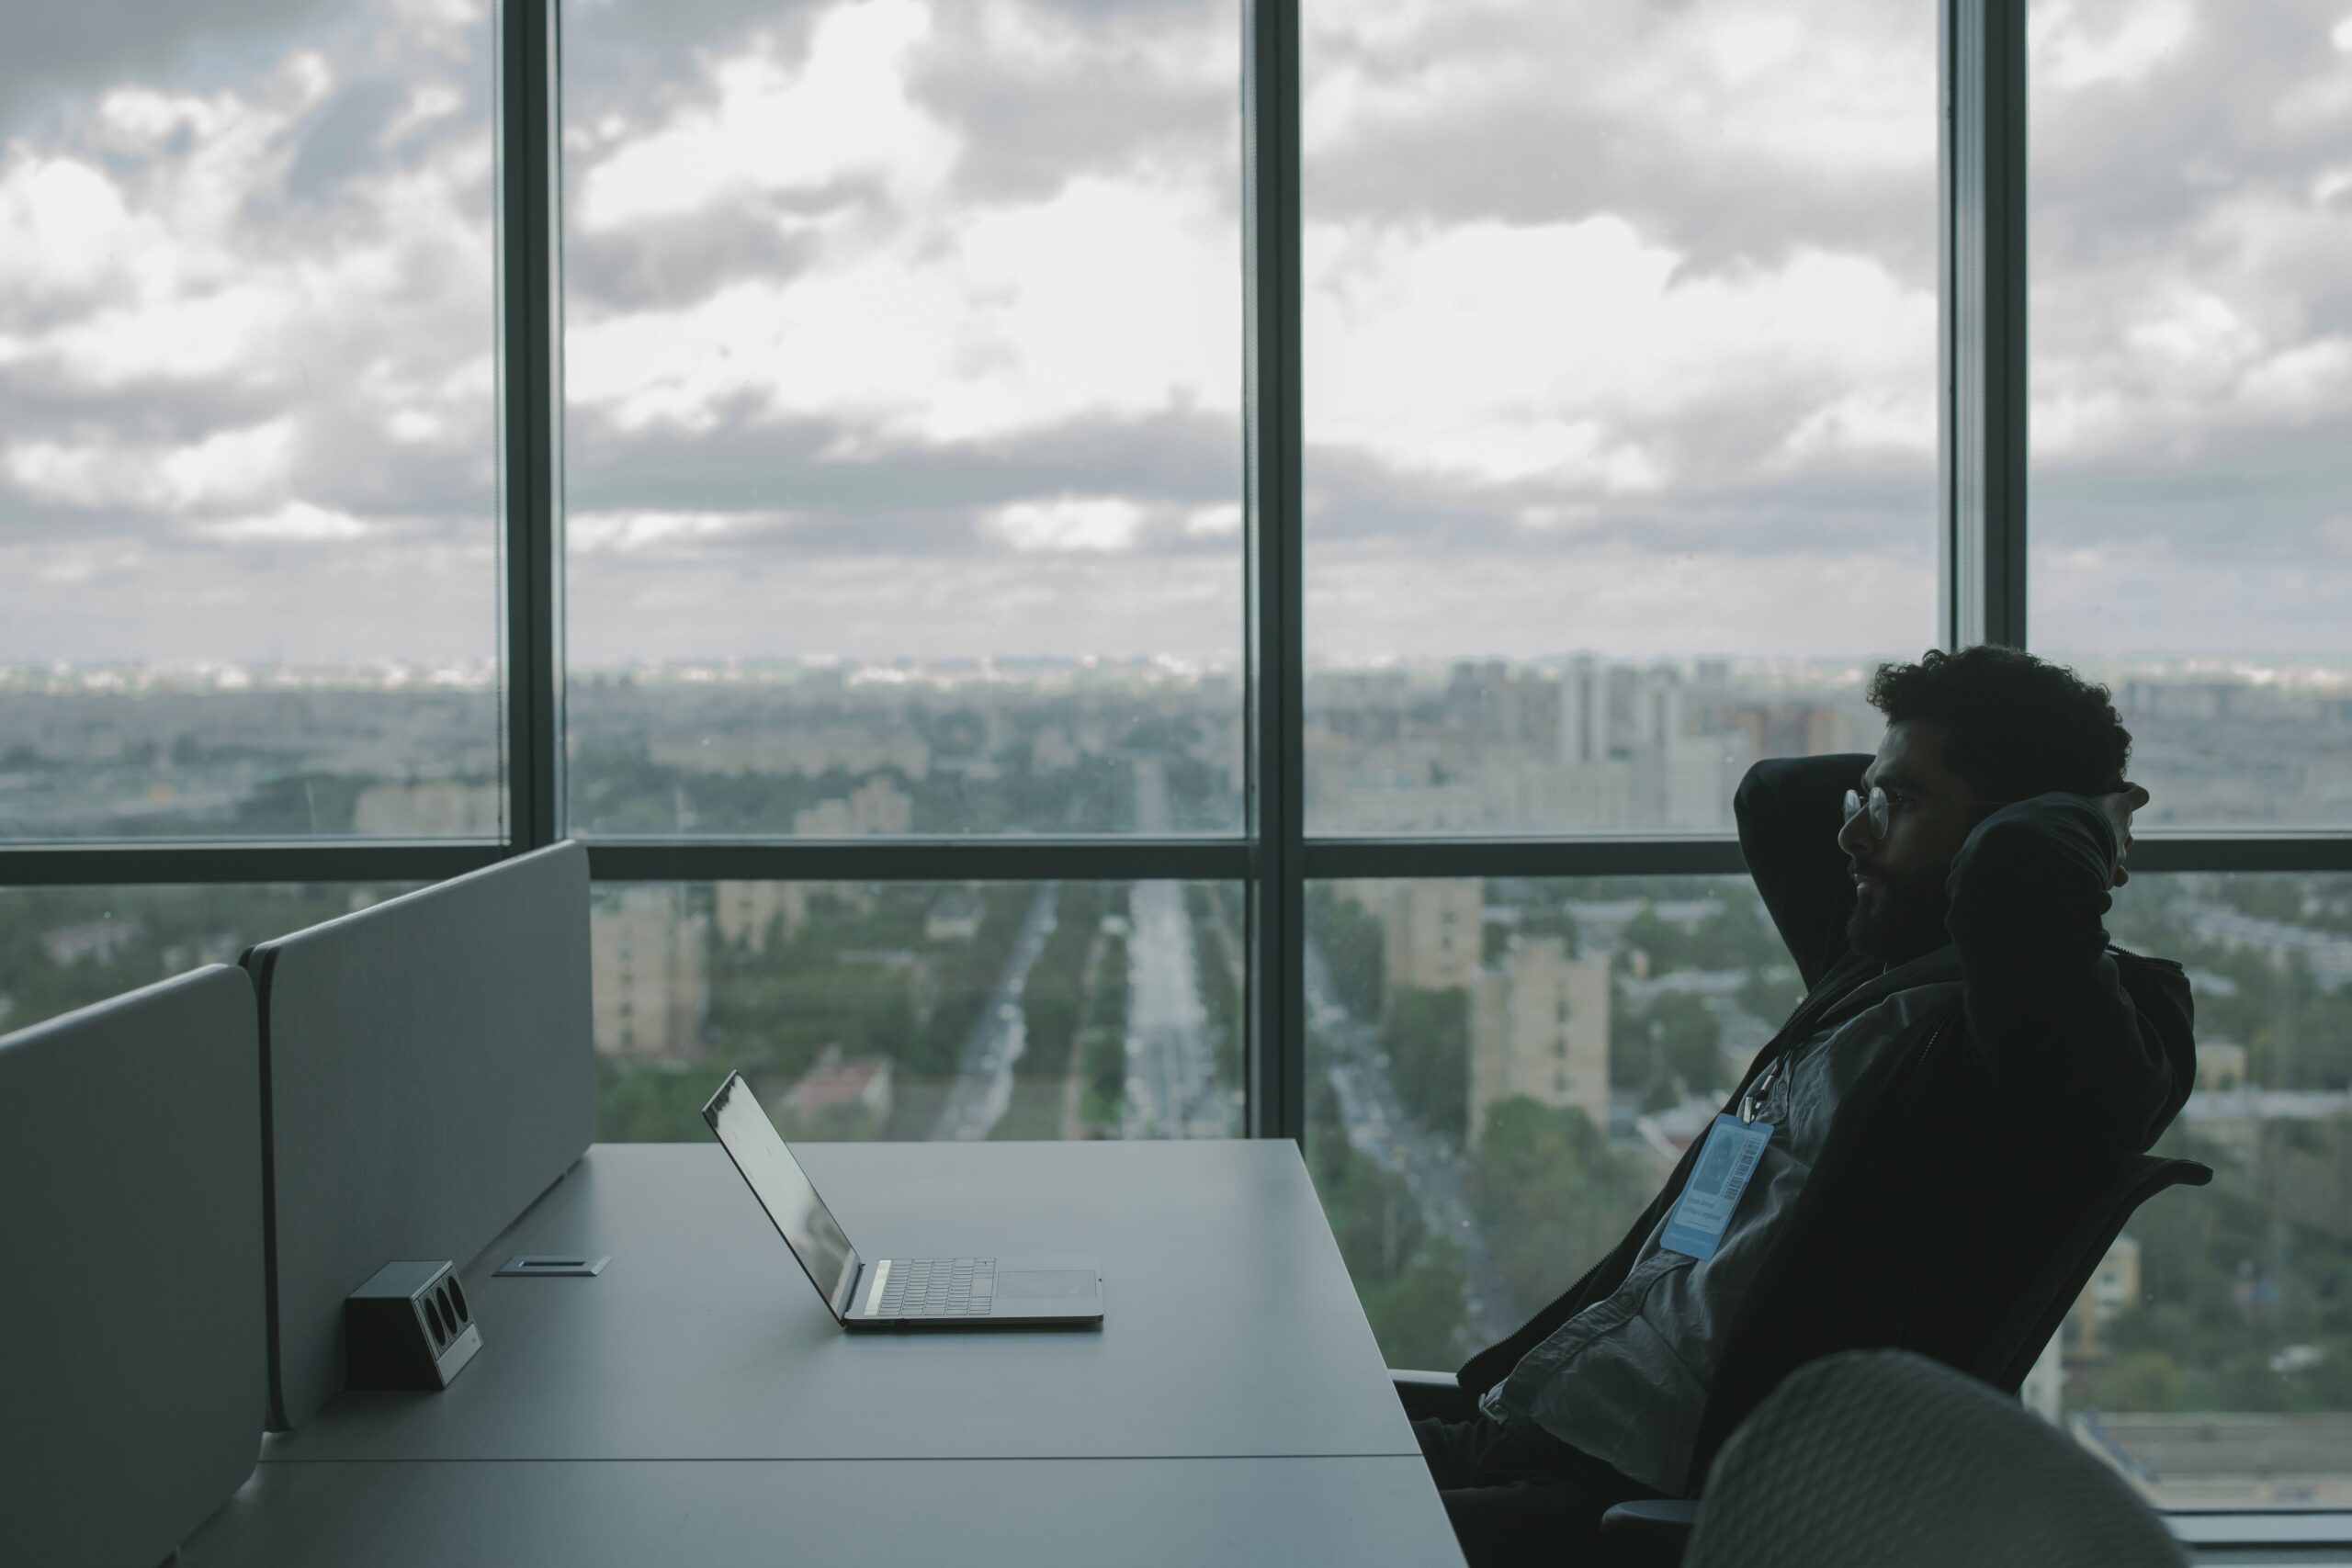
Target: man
1970	1062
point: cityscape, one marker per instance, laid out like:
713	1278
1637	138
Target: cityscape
1501	1070
831	748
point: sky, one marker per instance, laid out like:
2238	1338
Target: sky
910	329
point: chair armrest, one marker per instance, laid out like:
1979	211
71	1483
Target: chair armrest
1655	1531
1432	1394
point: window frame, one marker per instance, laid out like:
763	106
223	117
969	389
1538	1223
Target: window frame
1982	529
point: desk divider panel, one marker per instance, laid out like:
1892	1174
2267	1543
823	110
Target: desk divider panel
427	1071
130	1391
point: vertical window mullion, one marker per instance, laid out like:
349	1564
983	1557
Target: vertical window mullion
530	418
1276	1058
1984	417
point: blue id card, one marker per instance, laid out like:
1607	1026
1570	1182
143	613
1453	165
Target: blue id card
1705	1208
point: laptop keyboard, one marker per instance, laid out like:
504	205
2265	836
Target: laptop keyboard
939	1287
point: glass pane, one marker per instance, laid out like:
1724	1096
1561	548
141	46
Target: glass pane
248	460
1501	1073
903	375
894	1010
2191	169
2210	1355
62	948
1621	430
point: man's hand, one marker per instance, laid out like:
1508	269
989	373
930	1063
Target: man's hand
2119	807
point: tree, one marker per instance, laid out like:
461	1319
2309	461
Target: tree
1410	1282
1550	1193
1354	946
1427	1037
2144	1380
1772	991
649	1103
1671	1049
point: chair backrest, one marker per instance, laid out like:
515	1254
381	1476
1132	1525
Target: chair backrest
130	1395
1876	1457
2017	1343
427	1071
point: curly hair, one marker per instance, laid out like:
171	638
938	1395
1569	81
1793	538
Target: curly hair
2016	726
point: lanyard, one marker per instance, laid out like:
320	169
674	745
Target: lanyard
1800	1027
1751	1104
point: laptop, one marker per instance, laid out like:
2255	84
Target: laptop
972	1292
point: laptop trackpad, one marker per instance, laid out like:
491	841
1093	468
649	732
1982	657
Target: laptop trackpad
1034	1285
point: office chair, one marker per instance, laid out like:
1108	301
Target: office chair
1427	1394
1658	1532
1876	1457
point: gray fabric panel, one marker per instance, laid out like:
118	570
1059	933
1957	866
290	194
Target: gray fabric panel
428	1071
131	1396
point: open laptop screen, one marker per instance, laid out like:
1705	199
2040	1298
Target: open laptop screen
783	1191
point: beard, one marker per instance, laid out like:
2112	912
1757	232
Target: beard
1898	920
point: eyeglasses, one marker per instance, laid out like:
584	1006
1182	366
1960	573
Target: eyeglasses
1881	810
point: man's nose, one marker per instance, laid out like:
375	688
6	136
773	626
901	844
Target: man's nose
1854	837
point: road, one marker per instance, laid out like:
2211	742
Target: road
983	1086
1379	1129
1172	1072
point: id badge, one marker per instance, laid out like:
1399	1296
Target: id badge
1703	1212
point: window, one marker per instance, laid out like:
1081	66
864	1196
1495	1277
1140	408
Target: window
2187	179
924	442
2191	203
62	948
248	470
895	1009
903	365
1469	1176
2211	1357
1620	429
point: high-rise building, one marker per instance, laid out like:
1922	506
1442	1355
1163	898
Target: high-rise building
1538	1027
747	912
650	956
1434	939
1584	711
2112	1290
428	808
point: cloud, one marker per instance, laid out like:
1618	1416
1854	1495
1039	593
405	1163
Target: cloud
2084	45
2103	599
1694	123
889	606
63	223
900	326
1100	523
1108	299
1141	89
296	523
843	114
1221	522
2192	332
246	367
1586	355
226	469
57	50
676	533
1622	598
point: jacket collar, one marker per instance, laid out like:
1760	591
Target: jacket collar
1940	966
